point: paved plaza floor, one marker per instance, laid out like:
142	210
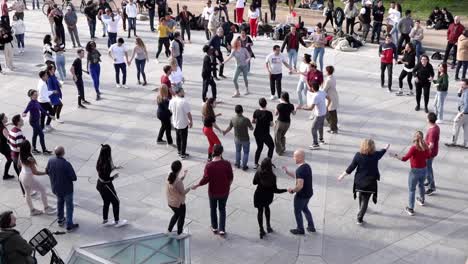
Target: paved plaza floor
126	119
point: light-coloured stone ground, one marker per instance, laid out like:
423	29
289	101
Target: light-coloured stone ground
126	120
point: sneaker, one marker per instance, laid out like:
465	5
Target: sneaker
35	151
125	86
61	223
82	106
430	192
214	230
420	201
72	228
50	210
8	176
117	85
245	168
315	146
161	142
86	102
359	222
121	223
46	152
409	211
157	61
106	223
255	167
222	76
181	236
222	233
297	232
417	108
321	141
237	94
273	97
184	156
35	212
399	93
389	90
59	121
311	229
410	93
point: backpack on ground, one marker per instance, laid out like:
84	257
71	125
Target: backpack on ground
436	56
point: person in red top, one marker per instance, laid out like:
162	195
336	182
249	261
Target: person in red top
453	33
418	155
218	174
291	42
432	140
165	79
388	55
314	75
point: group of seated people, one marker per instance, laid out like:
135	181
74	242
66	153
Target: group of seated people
439	19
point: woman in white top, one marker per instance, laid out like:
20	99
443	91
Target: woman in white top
302	84
19	29
141	57
240	11
176	77
254	14
394	16
30	184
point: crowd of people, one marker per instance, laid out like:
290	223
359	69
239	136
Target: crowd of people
316	92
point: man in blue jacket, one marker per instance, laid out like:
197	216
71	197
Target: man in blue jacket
62	175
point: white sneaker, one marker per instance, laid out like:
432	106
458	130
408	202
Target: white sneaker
237	94
48	128
273	97
59	121
246	92
439	121
157	61
125	86
121	223
35	212
107	223
118	85
182	236
50	210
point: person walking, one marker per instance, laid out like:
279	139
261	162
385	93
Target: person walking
77	72
333	100
184	18
417	35
274	64
6	40
441	84
208	71
462	55
111	20
104	167
55	90
4	147
131	11
18	6
118	53
283	111
318	42
93	65
15	248
432	141
91	12
388	54
263	120
27	177
71	21
216	41
59	49
163	39
454	31
35	110
219	176
418	155
209	122
328	12
15	139
318	105
175	75
123	7
408	61
164	115
62	175
304	191
177	48
241	125
404	27
366	164
423	75
351	12
44	101
5	18
181	120
208	10
378	13
140	54
461	119
175	193
265	180
19	28
253	15
291	42
242	57
150	5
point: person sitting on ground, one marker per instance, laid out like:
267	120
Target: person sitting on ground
447	18
14	248
435	17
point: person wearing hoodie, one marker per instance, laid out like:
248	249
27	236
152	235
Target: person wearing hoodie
408	61
16	250
388	54
454	31
462	55
404	27
417	35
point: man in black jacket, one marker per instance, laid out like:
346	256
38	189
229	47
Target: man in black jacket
151	6
378	13
291	42
16	249
365	18
208	70
216	42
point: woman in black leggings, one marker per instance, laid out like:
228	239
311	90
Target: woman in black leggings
265	180
263	120
104	167
164	115
408	61
329	14
4	147
423	74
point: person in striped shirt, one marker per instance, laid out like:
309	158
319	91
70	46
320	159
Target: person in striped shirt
15	138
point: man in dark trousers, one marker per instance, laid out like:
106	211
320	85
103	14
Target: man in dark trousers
151	6
207	72
62	175
388	55
77	72
216	41
378	12
162	8
453	33
16	250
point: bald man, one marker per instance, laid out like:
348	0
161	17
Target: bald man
62	175
453	33
304	192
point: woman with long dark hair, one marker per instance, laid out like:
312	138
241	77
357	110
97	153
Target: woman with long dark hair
59	49
423	75
408	61
283	110
93	66
4	147
328	12
141	58
47	51
105	187
30	184
265	180
164	115
54	86
209	121
175	193
441	84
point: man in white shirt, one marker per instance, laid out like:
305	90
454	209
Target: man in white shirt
181	120
118	52
319	107
131	10
44	100
274	64
207	11
112	21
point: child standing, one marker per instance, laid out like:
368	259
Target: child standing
19	29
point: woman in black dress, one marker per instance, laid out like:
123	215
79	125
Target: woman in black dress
366	161
265	180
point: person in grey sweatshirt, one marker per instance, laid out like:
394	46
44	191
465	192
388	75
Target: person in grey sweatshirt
417	35
71	19
404	27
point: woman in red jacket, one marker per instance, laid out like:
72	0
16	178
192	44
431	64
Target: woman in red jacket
418	155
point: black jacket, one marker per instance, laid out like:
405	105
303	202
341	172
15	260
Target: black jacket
208	67
17	250
410	58
423	73
378	13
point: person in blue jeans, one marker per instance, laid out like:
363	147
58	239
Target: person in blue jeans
304	192
291	42
62	175
94	66
241	125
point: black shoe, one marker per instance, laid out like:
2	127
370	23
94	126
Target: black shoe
161	142
359	221
98	97
262	233
245	168
46	152
417	108
35	151
426	110
297	232
216	78
82	106
270	230
255	166
86	102
72	228
8	176
222	76
237	166
311	229
61	223
430	192
409	211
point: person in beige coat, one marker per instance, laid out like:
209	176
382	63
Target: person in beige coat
462	55
329	87
175	192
